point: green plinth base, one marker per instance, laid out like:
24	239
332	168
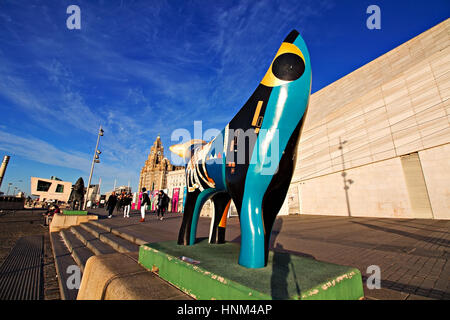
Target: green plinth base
215	274
75	212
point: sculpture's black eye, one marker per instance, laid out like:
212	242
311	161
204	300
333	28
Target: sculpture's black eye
288	67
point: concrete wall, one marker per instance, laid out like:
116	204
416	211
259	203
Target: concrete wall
436	169
387	126
377	190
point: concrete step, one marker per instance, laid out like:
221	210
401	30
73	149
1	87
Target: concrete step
127	235
79	251
79	243
119	276
94	229
102	226
63	260
116	242
90	241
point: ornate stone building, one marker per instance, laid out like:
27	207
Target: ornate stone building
154	173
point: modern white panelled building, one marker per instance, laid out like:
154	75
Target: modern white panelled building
50	189
376	143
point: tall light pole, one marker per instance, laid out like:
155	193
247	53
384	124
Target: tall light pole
9	186
94	160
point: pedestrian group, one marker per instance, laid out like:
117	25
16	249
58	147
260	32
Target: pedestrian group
123	202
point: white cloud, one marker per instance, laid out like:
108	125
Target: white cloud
196	71
43	152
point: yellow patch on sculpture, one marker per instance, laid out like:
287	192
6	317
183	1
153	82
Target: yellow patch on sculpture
270	80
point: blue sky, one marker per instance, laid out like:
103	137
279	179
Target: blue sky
143	68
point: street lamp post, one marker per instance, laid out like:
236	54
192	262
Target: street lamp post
94	160
15	188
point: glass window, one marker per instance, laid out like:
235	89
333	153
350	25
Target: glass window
43	185
60	188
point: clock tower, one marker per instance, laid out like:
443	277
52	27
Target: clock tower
154	171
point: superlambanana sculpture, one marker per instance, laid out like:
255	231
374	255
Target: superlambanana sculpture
252	161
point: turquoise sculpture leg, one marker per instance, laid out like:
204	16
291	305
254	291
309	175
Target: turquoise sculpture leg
252	254
202	198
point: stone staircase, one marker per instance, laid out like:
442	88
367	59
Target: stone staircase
75	245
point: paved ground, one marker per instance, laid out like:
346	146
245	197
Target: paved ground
413	255
17	224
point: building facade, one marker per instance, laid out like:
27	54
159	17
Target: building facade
118	191
50	189
176	183
376	143
94	193
153	175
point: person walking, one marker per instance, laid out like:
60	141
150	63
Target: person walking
144	203
127	205
162	204
111	204
119	203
